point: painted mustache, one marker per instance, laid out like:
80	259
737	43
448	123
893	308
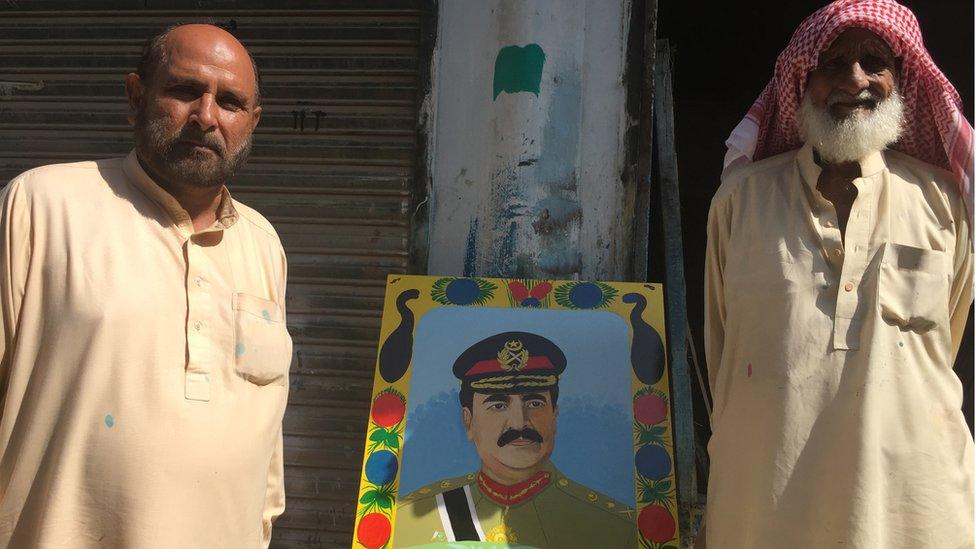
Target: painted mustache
512	435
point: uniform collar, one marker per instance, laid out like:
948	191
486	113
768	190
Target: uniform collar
226	212
871	165
514	494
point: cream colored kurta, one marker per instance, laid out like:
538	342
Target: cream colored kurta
836	418
144	370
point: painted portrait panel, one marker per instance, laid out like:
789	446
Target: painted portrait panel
519	413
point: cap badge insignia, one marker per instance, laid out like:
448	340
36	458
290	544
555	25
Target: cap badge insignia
513	356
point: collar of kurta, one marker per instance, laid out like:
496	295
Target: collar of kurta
226	213
871	165
513	494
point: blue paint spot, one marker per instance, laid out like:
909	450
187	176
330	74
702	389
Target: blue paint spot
586	295
505	258
653	462
560	260
471	249
381	467
462	291
109	421
531	302
239	349
266	315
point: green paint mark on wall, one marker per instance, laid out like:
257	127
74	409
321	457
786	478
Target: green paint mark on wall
518	69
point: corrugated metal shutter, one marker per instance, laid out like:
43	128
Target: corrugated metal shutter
334	167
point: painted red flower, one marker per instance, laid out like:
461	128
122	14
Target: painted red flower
656	524
374	531
388	409
541	290
526	297
519	291
650	409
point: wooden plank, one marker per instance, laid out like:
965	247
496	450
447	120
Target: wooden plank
674	285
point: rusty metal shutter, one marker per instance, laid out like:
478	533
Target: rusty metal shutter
334	167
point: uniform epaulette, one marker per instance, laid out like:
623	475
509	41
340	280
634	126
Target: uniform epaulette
439	487
594	498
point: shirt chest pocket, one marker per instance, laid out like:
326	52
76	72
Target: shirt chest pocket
770	273
262	350
913	288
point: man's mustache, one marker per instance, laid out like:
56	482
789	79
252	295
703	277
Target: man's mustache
512	435
864	96
208	140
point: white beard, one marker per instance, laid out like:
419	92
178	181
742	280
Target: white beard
858	135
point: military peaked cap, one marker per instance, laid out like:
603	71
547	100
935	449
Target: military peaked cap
511	362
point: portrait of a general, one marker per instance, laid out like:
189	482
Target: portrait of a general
519	413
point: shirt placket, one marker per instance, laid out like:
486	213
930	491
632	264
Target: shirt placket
827	229
852	259
200	312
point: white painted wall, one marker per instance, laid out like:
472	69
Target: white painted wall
526	185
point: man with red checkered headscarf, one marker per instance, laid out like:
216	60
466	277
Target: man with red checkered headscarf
838	282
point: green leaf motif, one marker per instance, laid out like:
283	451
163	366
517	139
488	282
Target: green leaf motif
384	501
650	390
659	492
393	440
378	435
368	498
485	291
651	435
563	295
437	291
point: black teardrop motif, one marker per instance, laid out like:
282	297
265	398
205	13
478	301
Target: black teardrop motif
397	349
646	349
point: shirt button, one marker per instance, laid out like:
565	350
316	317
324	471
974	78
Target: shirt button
838	252
828	224
848	287
198	325
199	281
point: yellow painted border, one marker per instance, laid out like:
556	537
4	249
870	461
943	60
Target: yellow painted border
390	438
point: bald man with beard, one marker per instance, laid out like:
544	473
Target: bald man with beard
144	369
838	282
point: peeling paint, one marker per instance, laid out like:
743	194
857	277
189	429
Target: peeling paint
471	250
8	88
505	253
555	213
546	165
560	261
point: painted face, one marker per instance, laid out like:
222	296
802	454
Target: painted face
195	116
513	434
853	75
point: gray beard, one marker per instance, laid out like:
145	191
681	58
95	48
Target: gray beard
173	162
858	135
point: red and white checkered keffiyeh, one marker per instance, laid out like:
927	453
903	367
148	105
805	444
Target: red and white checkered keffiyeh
935	129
